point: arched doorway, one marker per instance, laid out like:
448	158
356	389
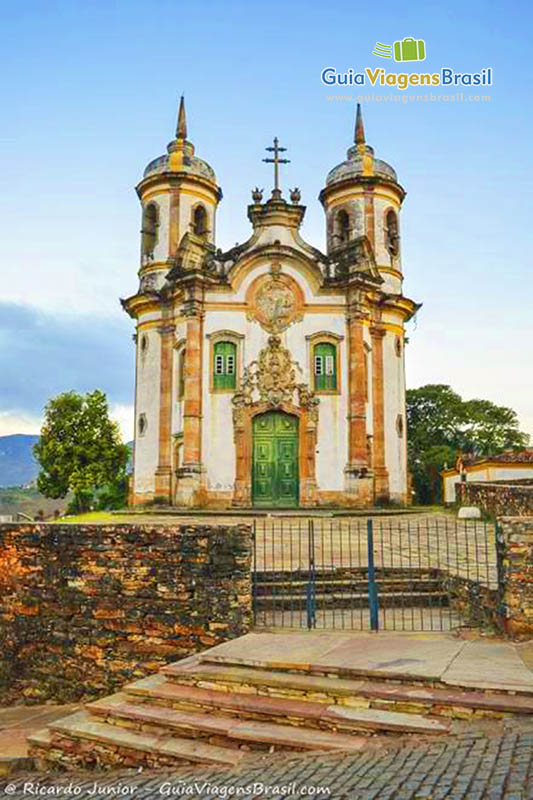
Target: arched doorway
275	467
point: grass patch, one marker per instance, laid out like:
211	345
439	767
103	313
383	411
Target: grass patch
95	516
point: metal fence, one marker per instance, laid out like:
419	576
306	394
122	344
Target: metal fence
395	573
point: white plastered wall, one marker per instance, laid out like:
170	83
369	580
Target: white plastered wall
394	405
218	447
147	403
485	473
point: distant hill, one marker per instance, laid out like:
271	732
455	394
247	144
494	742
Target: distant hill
17	464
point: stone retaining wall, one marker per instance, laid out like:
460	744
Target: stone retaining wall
86	608
476	604
515	550
497	499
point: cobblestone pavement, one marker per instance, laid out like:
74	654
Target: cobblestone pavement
474	765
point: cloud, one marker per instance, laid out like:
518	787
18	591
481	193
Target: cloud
43	354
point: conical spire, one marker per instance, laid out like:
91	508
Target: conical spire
359	137
181	130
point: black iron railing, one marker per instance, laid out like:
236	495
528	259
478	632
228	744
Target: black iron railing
391	573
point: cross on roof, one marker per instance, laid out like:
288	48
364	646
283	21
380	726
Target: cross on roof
276	161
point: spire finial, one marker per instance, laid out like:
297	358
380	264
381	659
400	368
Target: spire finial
181	130
359	137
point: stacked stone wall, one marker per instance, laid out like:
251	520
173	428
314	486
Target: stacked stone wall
87	608
497	499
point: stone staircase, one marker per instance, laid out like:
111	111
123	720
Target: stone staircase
204	711
348	589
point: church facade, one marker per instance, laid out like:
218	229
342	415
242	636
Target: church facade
270	374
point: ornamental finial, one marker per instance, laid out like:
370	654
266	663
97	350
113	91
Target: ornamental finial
181	129
359	137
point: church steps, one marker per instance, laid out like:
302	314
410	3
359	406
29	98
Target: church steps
282	710
405	696
357	585
81	740
226	731
345	601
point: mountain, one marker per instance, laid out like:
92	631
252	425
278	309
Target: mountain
17	464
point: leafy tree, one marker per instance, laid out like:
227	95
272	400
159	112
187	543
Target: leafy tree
80	448
440	424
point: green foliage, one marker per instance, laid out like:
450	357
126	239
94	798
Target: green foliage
113	497
80	449
440	424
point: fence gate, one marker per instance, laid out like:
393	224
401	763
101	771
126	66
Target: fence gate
423	573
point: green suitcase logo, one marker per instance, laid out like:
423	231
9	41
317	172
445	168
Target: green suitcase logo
409	49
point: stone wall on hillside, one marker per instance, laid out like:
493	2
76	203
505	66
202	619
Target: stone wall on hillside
497	499
86	608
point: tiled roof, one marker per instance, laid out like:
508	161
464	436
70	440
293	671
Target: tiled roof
509	457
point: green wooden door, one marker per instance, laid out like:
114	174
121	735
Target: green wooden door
275	459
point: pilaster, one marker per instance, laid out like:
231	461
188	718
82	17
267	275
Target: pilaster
357	471
190	474
163	474
381	474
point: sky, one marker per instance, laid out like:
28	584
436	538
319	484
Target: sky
90	93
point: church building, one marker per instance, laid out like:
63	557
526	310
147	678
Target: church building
270	374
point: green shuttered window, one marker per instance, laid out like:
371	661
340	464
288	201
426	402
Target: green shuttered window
325	367
224	365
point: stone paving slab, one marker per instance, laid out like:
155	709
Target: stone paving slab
490	665
482	664
285	650
392	656
19	722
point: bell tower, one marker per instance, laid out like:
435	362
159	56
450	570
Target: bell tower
362	197
362	201
179	194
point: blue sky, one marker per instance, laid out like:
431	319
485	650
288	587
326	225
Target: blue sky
90	96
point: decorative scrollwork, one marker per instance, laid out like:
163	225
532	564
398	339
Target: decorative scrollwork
272	379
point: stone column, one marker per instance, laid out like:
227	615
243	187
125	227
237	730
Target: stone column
190	473
163	473
381	475
242	428
515	576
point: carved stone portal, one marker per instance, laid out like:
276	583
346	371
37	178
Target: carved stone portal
270	382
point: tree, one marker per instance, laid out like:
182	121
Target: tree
440	424
80	448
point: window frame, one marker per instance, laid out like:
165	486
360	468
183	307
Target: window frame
329	370
232	362
145	250
392	249
200	207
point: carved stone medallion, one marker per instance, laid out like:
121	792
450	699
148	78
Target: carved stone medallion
275	301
